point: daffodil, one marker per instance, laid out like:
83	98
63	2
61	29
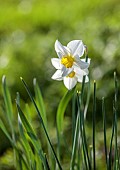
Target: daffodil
69	57
72	78
70	68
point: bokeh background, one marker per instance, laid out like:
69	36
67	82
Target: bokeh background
28	30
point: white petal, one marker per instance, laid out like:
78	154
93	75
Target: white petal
80	79
57	75
80	63
66	71
86	79
76	47
59	48
70	82
68	50
86	71
56	63
81	72
60	55
88	61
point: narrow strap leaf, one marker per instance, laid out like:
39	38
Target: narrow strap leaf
31	134
39	99
41	121
61	110
93	122
104	129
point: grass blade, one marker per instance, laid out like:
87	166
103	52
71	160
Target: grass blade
12	142
3	128
8	105
41	121
24	142
115	149
75	144
83	112
115	109
32	135
111	142
81	137
47	162
61	110
60	117
41	106
87	100
40	101
93	122
9	111
8	102
83	133
74	119
86	147
104	129
114	128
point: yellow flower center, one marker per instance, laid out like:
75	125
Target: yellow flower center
72	74
67	61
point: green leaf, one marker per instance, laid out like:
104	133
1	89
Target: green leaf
24	142
41	121
115	110
24	120
8	102
40	102
47	162
75	143
2	126
104	129
31	134
61	110
94	125
82	138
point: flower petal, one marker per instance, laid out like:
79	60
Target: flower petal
66	71
86	79
76	47
80	79
60	55
81	72
70	82
68	50
88	61
56	63
57	75
78	62
59	48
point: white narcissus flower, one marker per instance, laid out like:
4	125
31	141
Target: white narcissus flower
70	68
71	79
69	56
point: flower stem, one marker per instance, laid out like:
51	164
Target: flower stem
93	122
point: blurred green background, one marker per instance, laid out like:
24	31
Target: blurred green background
28	30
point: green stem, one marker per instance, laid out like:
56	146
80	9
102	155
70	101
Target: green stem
111	141
93	121
81	131
104	129
75	142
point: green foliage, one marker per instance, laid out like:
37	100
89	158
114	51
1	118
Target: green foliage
28	148
61	110
28	30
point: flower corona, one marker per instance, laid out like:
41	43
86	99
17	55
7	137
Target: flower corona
72	74
67	61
